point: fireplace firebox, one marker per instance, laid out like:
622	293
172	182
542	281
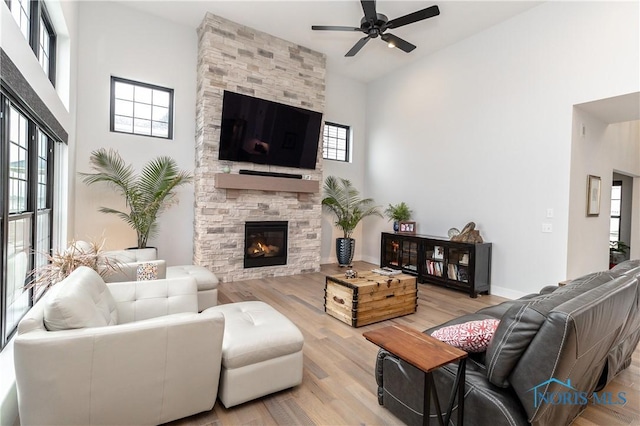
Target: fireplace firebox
265	243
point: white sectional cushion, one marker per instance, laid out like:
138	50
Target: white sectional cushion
141	300
81	300
206	279
122	256
255	332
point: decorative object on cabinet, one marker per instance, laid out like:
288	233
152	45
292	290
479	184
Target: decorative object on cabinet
593	195
147	195
453	232
398	213
468	234
408	227
458	265
344	201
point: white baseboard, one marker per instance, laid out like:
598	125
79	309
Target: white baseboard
507	292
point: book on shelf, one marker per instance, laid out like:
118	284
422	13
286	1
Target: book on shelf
434	268
453	271
463	275
438	252
464	260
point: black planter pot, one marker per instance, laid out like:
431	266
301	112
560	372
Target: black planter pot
345	248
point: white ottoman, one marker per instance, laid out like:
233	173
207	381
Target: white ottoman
206	280
261	352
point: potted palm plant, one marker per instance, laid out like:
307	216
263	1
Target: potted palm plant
147	195
344	201
398	213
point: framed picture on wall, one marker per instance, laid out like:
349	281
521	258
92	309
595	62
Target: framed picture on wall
594	185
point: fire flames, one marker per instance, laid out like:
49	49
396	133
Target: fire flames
261	249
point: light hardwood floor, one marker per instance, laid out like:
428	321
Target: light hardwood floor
338	386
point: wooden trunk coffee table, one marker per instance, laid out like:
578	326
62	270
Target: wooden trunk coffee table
426	354
370	297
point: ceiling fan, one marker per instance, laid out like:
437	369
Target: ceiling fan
375	24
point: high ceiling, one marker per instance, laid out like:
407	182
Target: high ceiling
292	21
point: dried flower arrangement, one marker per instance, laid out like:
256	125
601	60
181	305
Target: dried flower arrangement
61	264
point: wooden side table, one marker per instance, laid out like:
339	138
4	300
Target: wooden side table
426	354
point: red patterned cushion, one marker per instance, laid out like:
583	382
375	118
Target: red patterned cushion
472	336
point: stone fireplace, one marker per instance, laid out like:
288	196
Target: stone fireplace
243	60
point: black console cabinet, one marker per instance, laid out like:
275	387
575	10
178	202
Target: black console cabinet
439	261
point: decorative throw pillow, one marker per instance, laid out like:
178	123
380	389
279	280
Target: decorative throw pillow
472	336
147	272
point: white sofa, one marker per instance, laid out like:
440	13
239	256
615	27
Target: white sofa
123	353
127	262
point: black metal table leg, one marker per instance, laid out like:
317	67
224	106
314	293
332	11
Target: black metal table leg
426	405
462	365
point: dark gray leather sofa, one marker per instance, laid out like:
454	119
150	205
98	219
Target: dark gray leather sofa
580	335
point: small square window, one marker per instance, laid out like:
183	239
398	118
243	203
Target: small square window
335	142
141	109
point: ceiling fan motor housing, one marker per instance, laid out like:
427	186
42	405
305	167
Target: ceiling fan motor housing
376	29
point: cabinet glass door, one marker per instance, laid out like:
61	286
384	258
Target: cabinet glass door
409	255
435	260
391	252
458	267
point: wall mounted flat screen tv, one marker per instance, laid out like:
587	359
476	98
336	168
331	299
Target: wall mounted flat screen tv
265	132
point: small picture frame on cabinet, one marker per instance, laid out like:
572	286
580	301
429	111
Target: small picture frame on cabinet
408	227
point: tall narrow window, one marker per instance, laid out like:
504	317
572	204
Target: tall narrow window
26	190
19	219
335	142
36	27
616	202
141	108
44	212
21	11
46	45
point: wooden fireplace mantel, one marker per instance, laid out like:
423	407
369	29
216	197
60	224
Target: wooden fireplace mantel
265	183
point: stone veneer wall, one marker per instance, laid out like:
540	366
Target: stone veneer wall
240	59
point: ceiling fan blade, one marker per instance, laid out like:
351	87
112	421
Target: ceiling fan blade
429	12
334	28
356	48
369	8
401	44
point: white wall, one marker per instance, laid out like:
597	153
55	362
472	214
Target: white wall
346	104
121	41
601	150
481	131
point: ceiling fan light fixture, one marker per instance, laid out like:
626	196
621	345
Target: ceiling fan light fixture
391	45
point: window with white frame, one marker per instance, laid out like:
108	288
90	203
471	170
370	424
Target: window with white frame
141	108
335	142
